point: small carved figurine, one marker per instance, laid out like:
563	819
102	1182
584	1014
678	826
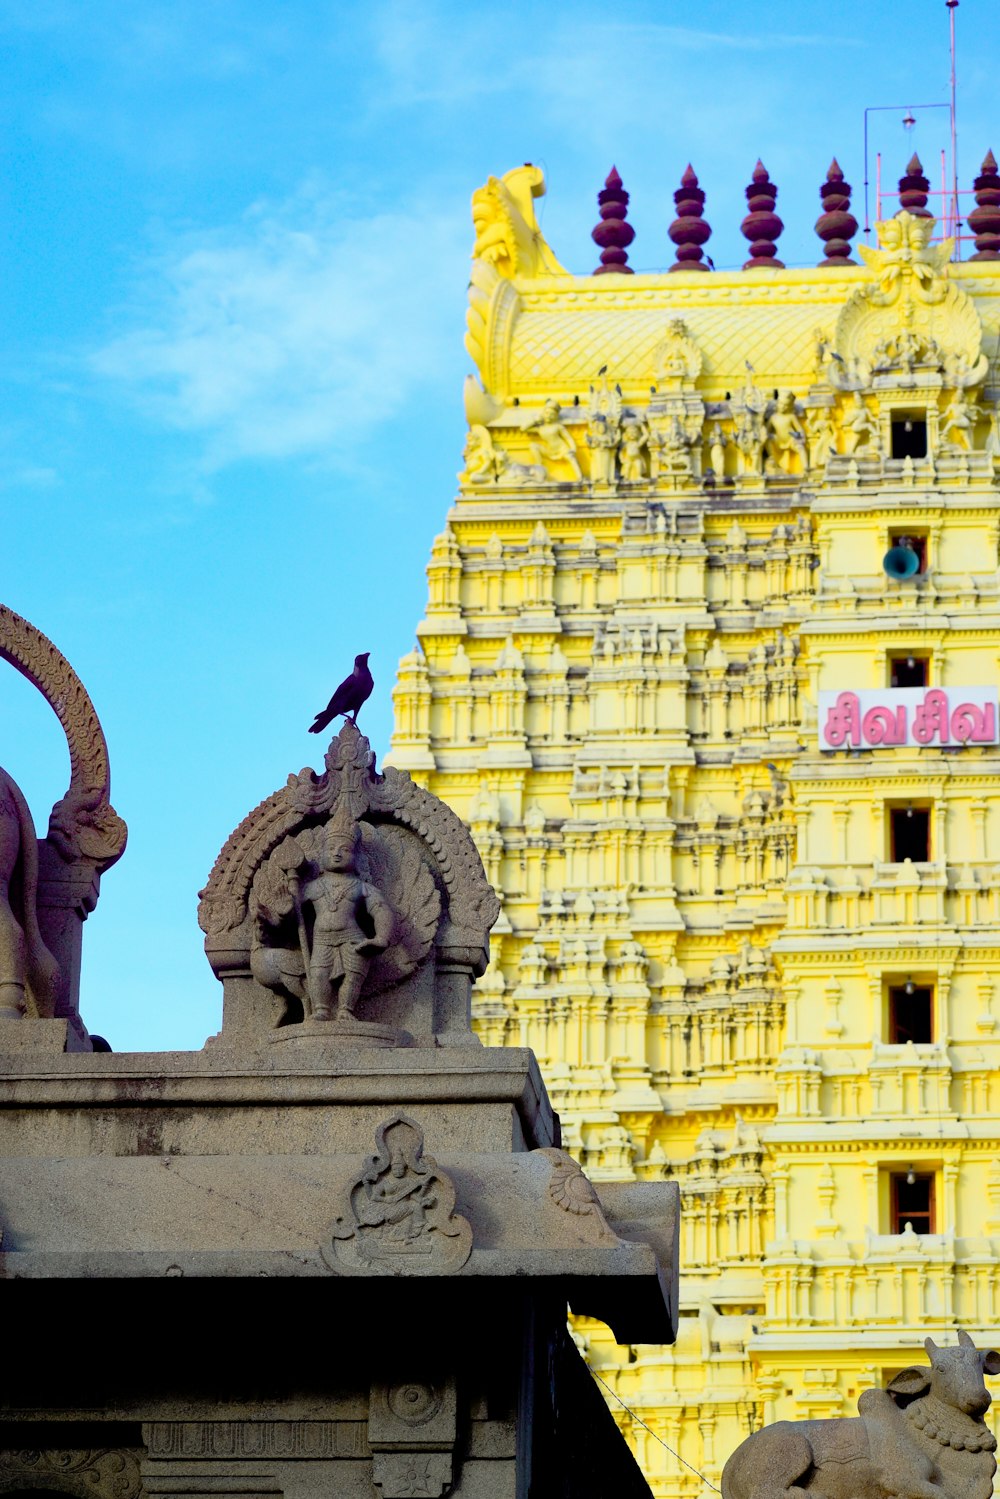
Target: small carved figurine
822	436
634	450
786	439
957	424
749	440
717	452
352	924
603	430
860	427
554	444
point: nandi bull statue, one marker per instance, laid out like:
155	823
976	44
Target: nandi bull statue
923	1437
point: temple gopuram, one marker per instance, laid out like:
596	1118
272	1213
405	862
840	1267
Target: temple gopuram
709	668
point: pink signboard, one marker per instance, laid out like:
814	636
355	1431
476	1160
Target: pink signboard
886	716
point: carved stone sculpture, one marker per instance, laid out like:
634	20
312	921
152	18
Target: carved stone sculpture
552	443
29	974
48	886
957	424
786	437
633	453
603	430
400	1217
923	1437
355	900
860	427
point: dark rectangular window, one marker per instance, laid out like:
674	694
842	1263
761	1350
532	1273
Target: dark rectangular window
912	1201
916	543
909	834
909	437
908	671
911	1014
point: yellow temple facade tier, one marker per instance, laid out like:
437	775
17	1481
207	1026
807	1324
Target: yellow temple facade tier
709	666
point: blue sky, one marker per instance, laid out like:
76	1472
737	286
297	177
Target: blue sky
236	247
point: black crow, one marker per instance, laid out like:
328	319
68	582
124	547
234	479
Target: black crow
352	692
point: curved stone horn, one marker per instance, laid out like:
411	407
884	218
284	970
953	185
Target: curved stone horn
964	1340
931	1347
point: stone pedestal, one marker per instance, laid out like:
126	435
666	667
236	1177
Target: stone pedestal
258	1310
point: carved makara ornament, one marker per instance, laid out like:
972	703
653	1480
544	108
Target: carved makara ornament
400	1216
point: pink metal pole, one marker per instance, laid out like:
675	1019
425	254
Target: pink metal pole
878	187
957	254
945	208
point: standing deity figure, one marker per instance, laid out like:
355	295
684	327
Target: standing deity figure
860	427
957	423
633	452
26	965
553	443
717	452
786	435
822	434
749	440
352	924
603	430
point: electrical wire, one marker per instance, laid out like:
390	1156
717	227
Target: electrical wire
656	1437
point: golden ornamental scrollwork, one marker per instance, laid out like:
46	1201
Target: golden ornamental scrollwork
912	317
83	823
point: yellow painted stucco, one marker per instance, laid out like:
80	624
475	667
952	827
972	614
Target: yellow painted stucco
616	686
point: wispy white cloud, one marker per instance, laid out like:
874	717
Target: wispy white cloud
297	331
426	61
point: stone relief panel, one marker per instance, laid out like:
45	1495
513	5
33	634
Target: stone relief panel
411	1432
400	1216
107	1473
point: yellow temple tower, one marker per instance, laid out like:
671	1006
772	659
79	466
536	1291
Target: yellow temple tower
710	668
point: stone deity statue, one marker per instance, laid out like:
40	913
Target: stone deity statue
822	434
26	965
352	924
860	427
786	437
957	424
633	453
553	444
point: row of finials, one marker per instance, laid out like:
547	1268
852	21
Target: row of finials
835	226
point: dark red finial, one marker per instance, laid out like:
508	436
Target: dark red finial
761	225
689	231
613	234
984	220
913	189
836	224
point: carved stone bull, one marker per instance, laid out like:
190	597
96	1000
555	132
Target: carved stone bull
923	1437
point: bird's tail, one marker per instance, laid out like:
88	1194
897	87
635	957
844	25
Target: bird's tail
322	719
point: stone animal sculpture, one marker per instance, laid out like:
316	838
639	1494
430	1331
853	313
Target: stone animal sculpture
923	1437
27	968
349	696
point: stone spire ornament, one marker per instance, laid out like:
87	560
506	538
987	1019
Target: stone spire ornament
836	224
761	225
689	231
984	220
913	189
613	234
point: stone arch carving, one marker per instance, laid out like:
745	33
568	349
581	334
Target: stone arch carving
83	824
420	863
